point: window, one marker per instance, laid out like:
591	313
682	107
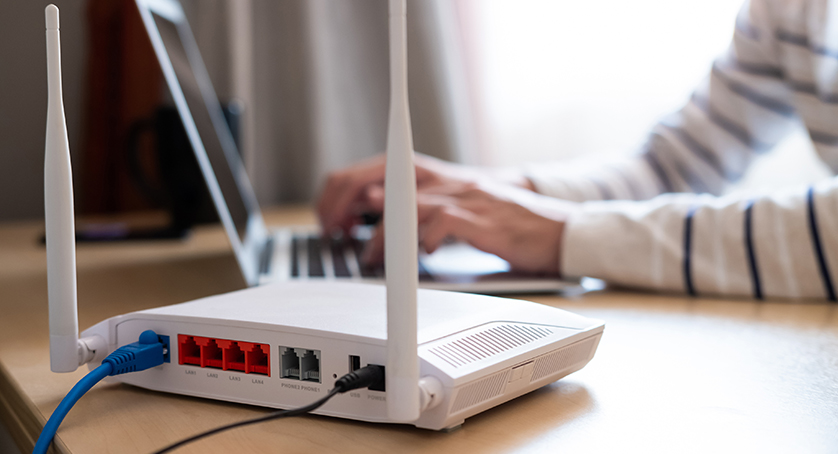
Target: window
558	79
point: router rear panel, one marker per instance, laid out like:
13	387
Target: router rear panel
486	380
257	389
284	345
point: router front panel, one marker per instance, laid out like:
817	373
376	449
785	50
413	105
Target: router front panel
495	388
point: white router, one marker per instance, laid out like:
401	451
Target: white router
447	356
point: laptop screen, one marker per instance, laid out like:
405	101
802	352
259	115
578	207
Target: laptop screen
209	121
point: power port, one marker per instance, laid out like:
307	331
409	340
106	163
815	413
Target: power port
379	386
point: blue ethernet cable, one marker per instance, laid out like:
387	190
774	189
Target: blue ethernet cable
148	352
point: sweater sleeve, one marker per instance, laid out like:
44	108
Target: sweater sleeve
742	108
779	245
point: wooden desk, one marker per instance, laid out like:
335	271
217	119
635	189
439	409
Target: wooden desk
672	374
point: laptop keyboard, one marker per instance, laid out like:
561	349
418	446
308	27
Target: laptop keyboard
315	256
329	257
314	246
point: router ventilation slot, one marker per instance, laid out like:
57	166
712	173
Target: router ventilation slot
561	359
480	391
488	342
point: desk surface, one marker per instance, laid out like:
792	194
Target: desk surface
672	374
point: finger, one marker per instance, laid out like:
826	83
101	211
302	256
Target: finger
369	202
448	187
373	253
468	196
347	197
342	199
441	221
343	191
340	204
374	193
426	168
429	205
325	201
375	198
339	185
327	198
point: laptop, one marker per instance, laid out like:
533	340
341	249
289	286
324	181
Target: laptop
300	253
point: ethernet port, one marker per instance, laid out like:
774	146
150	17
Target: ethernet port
256	358
188	351
233	355
289	363
211	355
310	366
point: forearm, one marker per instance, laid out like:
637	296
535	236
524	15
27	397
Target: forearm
625	179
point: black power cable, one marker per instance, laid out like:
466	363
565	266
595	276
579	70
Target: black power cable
361	378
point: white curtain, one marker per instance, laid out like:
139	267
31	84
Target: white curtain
314	75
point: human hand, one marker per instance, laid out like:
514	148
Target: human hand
522	227
356	190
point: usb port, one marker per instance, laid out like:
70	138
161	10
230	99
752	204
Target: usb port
354	363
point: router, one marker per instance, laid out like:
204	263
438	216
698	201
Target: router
447	356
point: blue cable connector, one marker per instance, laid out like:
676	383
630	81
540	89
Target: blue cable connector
144	354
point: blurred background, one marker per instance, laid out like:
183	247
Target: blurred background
493	82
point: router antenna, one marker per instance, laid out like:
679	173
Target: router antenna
66	351
400	235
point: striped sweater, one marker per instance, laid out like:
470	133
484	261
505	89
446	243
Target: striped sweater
656	220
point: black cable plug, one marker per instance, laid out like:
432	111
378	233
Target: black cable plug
361	378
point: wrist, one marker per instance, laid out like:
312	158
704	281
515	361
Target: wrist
559	212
